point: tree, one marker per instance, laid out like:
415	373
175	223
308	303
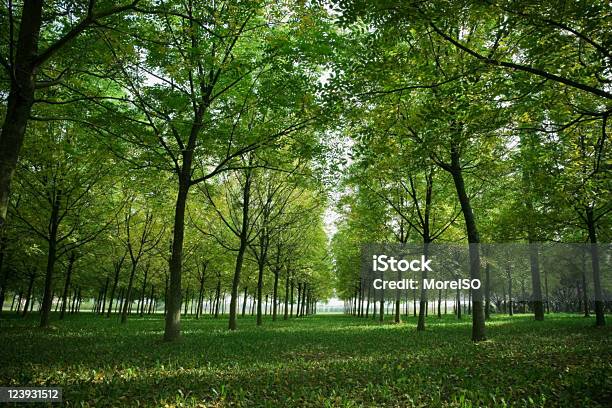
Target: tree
24	62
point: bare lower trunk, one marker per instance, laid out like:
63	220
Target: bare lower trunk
114	288
172	330
286	311
478	321
259	292
51	258
594	250
538	305
128	294
29	295
66	285
244	301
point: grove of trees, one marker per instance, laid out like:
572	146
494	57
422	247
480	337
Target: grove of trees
185	157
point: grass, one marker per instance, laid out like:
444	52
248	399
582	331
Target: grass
327	360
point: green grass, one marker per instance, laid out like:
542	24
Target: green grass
315	361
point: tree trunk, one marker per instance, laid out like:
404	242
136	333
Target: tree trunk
115	282
200	295
3	273
292	290
398	295
585	297
538	305
299	299
18	108
244	301
594	249
67	285
51	258
423	301
286	311
172	330
244	234
275	294
151	301
458	304
260	270
103	305
487	290
186	301
144	288
29	294
478	322
128	294
218	296
510	301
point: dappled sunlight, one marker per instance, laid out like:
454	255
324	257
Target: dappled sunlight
307	358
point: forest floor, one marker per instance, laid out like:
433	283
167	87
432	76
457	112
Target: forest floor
326	360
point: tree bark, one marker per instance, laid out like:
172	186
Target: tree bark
275	294
29	294
487	291
172	330
104	293
51	258
144	288
244	234
19	102
286	311
3	274
115	282
128	294
538	304
67	285
244	301
478	321
201	293
594	250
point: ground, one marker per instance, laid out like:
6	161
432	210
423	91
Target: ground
326	360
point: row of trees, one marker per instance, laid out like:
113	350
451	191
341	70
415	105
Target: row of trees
178	139
476	122
169	145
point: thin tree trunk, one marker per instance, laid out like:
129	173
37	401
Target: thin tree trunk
29	294
67	284
487	291
115	283
244	234
151	299
103	306
260	271
172	330
478	321
275	295
244	301
299	298
218	296
51	258
128	294
594	250
423	301
286	311
3	273
144	288
292	288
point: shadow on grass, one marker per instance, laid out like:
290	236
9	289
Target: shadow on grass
314	360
